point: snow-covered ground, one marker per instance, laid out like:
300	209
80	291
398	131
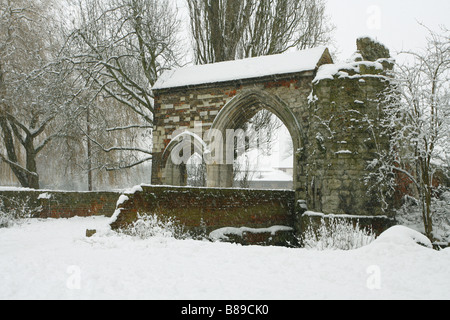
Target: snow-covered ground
52	259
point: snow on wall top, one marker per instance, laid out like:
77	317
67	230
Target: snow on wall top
285	63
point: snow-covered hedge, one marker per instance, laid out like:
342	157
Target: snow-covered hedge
401	235
337	234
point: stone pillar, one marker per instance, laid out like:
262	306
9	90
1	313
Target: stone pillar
172	175
157	174
220	176
343	139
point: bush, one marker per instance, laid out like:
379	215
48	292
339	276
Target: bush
337	234
149	226
12	216
410	214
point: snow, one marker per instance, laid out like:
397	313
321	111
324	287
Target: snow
329	71
122	199
285	63
344	152
332	216
404	236
133	190
287	163
52	259
15	189
221	234
45	196
267	174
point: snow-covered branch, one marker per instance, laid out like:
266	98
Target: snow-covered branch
417	120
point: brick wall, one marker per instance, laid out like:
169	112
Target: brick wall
210	208
199	210
58	204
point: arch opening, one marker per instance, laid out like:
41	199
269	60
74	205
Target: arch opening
196	171
244	112
268	161
183	162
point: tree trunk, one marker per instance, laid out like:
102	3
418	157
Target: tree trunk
31	166
27	176
426	198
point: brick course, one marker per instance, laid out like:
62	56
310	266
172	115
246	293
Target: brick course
59	204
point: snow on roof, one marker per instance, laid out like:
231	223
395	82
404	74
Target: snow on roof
285	63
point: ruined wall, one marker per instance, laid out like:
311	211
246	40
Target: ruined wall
344	139
204	210
338	110
59	204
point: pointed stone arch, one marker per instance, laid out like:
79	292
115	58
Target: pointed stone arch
237	112
173	164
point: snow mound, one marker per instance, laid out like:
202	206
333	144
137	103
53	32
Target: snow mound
403	236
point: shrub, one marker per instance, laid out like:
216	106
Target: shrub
149	226
337	234
12	216
410	214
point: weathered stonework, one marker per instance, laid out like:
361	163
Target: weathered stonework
333	121
343	141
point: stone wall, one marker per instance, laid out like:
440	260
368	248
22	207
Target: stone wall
248	217
59	204
344	140
333	115
180	108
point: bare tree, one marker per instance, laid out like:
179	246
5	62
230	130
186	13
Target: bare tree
279	25
218	28
418	113
120	47
225	30
32	86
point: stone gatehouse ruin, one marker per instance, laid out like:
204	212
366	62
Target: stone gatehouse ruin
330	110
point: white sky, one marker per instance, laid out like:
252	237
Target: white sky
391	22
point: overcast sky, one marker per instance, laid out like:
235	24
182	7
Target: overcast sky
392	22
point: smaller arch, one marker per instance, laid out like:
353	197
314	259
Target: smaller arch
176	156
185	137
